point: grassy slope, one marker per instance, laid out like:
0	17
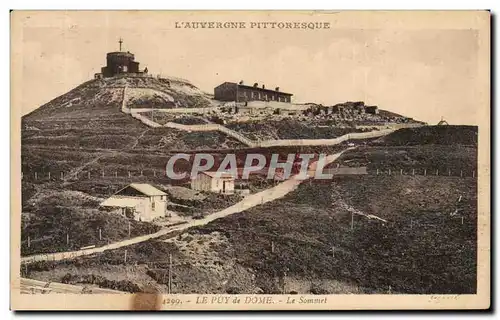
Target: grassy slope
435	255
447	149
288	129
424	246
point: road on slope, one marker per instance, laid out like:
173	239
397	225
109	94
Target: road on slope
248	202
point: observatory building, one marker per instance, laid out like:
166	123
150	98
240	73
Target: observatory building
119	63
239	92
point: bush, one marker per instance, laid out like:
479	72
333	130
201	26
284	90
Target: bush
102	282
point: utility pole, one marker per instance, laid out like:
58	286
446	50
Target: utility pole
67	239
125	258
272	246
333	251
169	273
100	235
352	220
29	242
129	229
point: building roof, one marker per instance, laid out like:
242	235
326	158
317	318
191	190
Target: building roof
215	174
259	88
122	202
145	188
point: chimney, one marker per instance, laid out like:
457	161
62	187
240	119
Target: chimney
255	85
263	86
277	89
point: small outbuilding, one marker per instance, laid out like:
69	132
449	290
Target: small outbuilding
138	201
222	182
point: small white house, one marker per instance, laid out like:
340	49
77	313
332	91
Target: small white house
138	201
213	182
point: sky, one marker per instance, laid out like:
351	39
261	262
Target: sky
421	72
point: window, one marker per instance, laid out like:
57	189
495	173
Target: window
153	206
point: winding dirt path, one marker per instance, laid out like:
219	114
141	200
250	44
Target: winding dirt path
248	202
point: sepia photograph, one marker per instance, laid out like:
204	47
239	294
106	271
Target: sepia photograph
259	160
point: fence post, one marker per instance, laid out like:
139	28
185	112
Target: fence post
449	172
425	172
377	171
129	174
473	174
88	174
461	174
116	174
62	175
36	176
437	172
49	175
389	171
401	171
102	173
413	172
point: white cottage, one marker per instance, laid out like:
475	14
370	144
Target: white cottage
138	201
213	182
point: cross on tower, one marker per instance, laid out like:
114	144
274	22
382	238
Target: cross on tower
120	42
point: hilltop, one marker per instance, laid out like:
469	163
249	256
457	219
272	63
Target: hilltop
101	97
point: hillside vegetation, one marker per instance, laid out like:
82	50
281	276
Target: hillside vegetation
442	135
